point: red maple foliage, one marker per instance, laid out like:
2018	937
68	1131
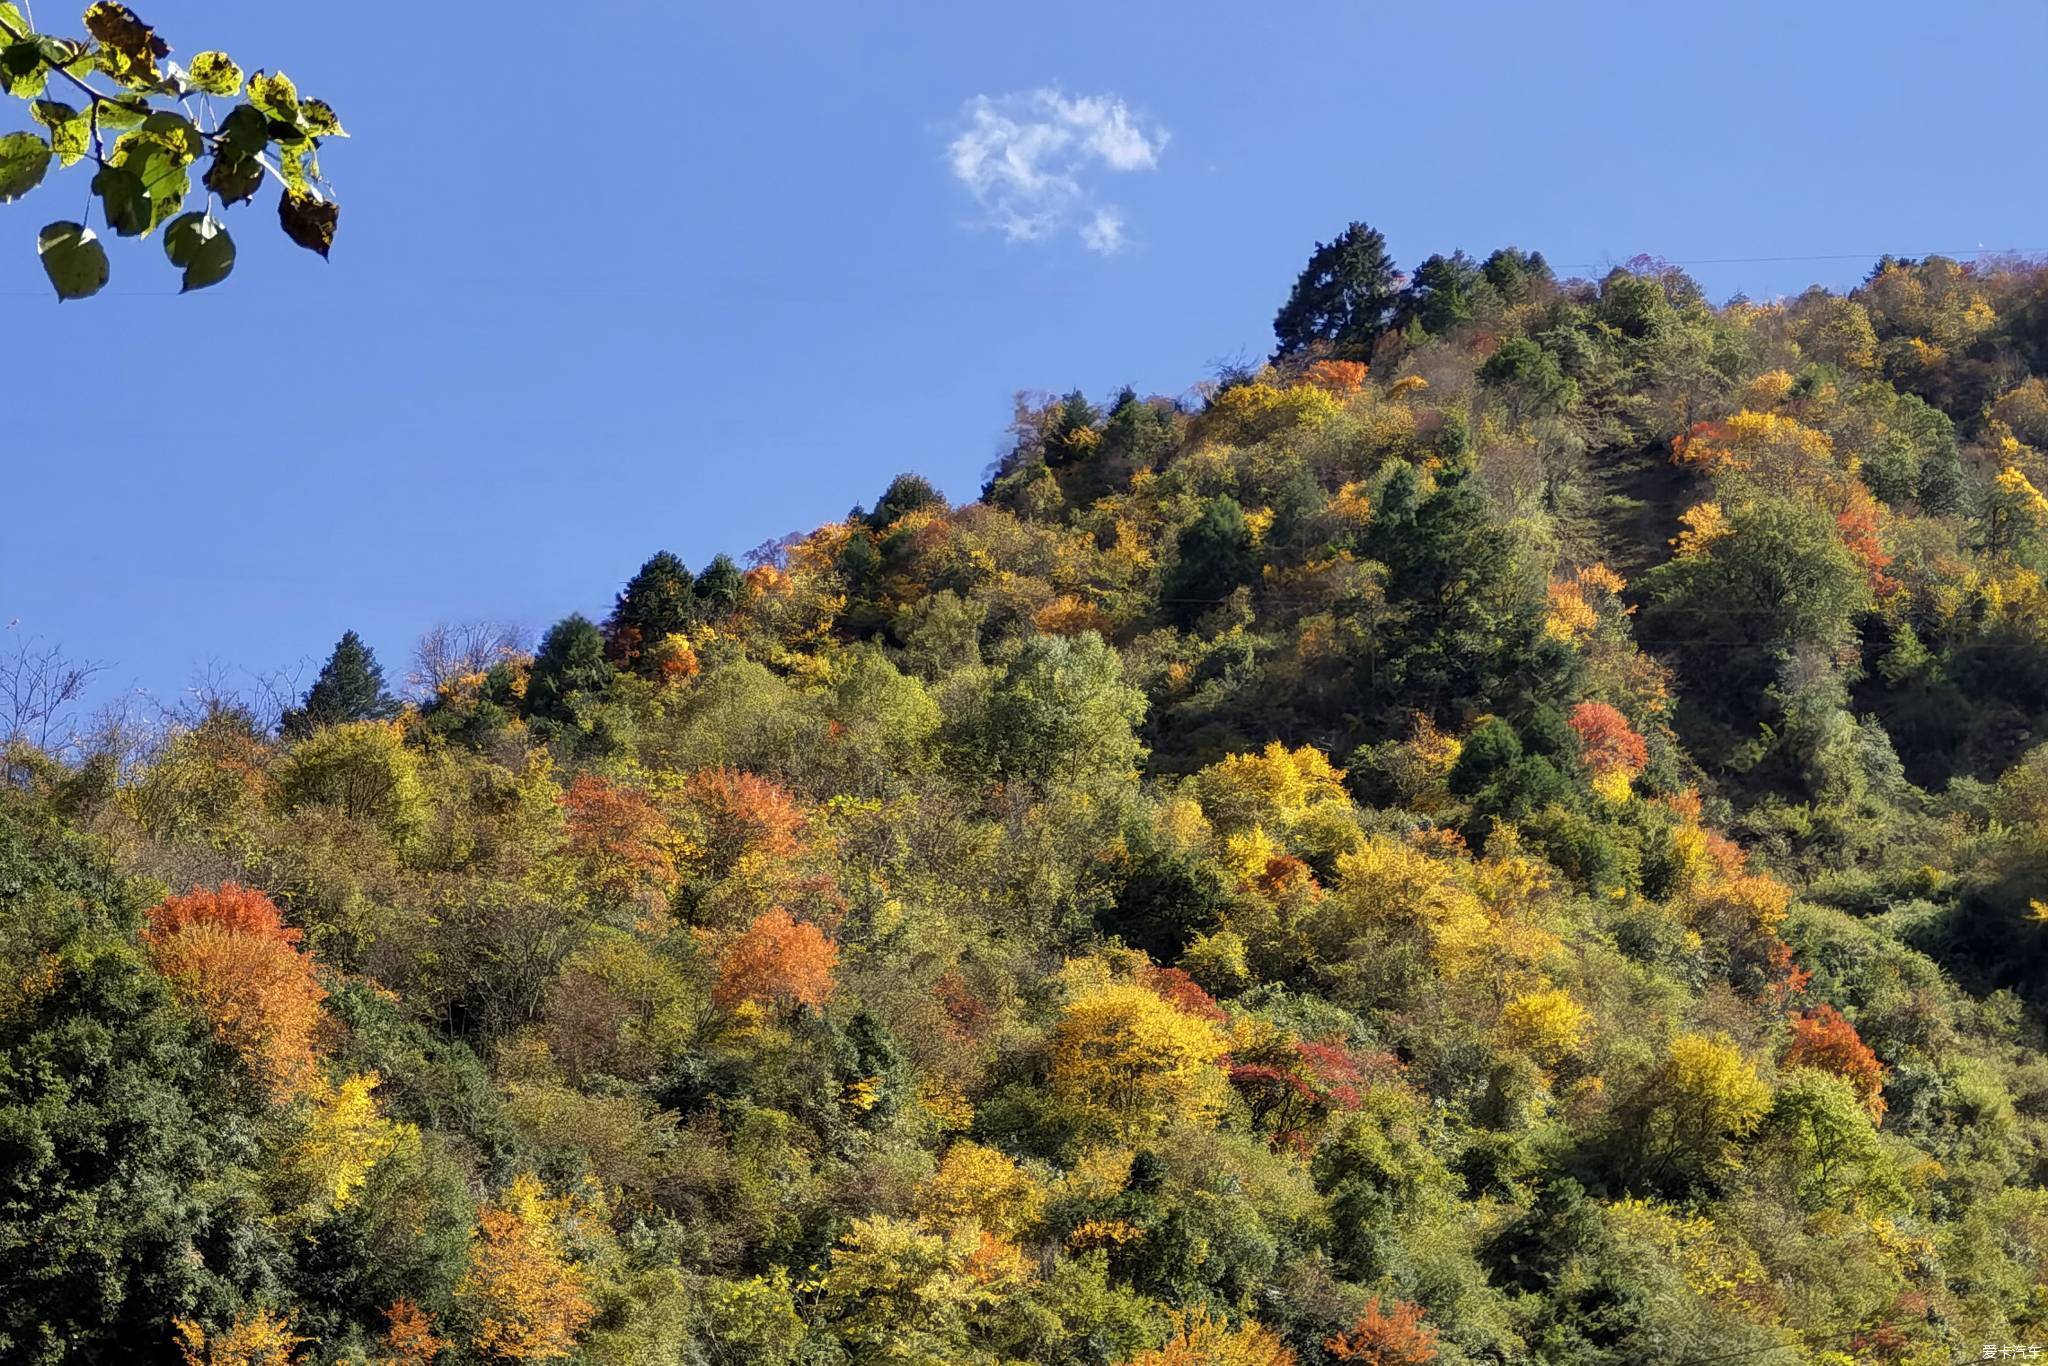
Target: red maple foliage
232	960
1607	741
623	841
779	961
1824	1040
742	814
1183	993
1394	1336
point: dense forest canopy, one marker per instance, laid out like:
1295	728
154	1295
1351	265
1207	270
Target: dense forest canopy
1515	831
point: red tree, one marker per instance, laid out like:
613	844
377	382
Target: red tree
624	843
777	961
1823	1040
231	959
1607	741
1393	1337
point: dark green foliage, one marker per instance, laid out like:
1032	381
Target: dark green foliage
1162	899
1530	377
1343	299
718	587
1780	580
906	493
657	602
1213	557
571	662
350	688
1468	635
1439	296
117	1132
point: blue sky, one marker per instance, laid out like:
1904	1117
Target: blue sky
632	275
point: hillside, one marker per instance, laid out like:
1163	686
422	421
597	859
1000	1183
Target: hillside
1516	831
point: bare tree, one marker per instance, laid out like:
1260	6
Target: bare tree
449	651
40	689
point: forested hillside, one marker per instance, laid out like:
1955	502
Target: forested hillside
1516	831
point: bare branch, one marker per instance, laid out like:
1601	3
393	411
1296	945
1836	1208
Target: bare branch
40	689
449	651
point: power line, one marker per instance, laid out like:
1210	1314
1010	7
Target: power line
1835	256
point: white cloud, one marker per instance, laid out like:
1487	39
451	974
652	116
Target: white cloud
1030	161
1104	232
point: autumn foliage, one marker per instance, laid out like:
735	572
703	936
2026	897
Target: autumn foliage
530	1302
231	959
1386	1334
409	1337
1822	1039
1201	1338
622	839
1606	741
258	1339
777	961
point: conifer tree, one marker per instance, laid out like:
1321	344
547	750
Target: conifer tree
350	688
1343	299
718	587
1215	556
657	602
571	661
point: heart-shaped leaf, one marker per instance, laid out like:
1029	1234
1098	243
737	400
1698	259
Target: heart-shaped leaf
24	158
73	259
200	243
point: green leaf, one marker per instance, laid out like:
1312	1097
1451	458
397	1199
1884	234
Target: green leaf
275	96
123	200
66	54
13	21
119	114
73	259
215	73
158	157
308	221
22	70
245	131
24	160
318	118
234	178
177	134
70	131
199	243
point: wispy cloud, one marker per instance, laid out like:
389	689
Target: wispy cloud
1031	161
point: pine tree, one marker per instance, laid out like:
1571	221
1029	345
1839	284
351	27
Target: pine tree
1215	555
571	661
1344	296
658	602
718	587
350	688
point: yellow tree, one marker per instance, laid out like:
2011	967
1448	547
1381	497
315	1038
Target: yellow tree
1200	1338
528	1300
346	1136
258	1339
1125	1061
1690	1113
981	1185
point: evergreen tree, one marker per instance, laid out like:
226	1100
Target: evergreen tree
718	587
1440	296
571	661
1469	631
1344	296
1215	556
657	602
906	493
350	688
